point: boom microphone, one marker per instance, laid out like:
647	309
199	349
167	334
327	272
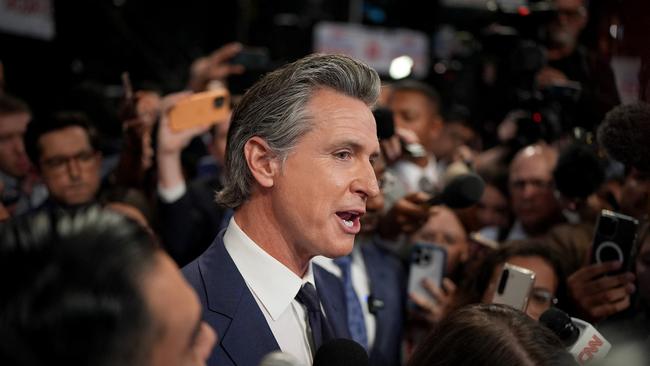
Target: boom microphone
341	352
462	191
580	338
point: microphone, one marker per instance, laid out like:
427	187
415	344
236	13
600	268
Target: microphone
462	191
279	358
341	352
580	338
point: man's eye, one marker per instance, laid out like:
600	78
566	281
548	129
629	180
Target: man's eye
343	155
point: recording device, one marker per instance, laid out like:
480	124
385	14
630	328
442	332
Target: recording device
427	261
200	109
252	58
514	286
580	338
386	129
614	238
341	352
279	358
462	191
256	62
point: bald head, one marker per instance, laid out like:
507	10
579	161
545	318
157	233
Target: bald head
532	189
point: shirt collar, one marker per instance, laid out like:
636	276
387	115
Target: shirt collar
274	285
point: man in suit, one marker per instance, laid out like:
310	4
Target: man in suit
298	175
377	282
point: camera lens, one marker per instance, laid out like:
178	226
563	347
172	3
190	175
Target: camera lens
503	281
219	102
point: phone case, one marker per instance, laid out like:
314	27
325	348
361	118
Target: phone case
614	238
427	261
514	286
201	109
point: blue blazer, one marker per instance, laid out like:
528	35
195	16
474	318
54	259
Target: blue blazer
229	307
388	286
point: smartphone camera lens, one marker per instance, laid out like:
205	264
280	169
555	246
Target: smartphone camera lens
503	281
219	102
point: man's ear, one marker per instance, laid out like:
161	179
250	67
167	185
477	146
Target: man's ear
261	161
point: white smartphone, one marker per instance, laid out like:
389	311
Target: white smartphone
514	287
427	261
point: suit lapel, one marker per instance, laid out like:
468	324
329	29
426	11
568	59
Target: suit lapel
245	337
331	294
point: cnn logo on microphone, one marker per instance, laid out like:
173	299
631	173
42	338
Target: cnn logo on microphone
592	348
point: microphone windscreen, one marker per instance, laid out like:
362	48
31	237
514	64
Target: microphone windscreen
561	324
279	358
385	123
341	352
463	191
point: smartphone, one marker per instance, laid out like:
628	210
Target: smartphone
514	286
200	109
253	58
427	261
614	238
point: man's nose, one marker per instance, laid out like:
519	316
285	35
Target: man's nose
74	170
366	183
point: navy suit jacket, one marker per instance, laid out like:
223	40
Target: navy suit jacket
387	286
229	307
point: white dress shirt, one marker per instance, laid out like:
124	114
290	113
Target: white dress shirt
274	288
360	283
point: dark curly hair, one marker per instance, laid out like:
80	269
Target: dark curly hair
625	134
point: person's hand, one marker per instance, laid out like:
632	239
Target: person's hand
147	109
434	311
215	67
406	216
549	76
597	295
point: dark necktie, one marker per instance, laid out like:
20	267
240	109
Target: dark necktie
320	329
356	319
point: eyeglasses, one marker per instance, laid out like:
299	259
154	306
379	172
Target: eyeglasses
60	162
543	297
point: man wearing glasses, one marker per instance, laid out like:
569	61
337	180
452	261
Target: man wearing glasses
64	150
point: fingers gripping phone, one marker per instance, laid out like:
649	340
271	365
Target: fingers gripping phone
514	287
614	238
200	109
427	261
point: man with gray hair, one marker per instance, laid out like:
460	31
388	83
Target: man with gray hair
298	173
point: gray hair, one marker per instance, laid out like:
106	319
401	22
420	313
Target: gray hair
275	110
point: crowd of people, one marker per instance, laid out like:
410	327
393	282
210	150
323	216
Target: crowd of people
292	221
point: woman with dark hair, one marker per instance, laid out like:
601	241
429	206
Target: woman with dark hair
534	255
490	334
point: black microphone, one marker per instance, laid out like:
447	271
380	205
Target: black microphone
462	191
580	338
341	352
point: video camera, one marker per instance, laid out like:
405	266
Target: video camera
512	34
